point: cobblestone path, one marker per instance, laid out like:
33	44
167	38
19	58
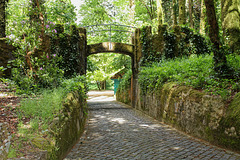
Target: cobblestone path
117	132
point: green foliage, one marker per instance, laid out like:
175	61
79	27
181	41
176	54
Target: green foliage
126	81
1	71
147	48
195	71
11	153
145	13
61	12
190	43
2	68
77	83
45	107
185	44
93	12
47	75
35	67
102	66
67	46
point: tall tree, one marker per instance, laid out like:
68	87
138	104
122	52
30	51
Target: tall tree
231	22
202	18
36	14
174	12
182	12
220	65
3	4
160	15
149	7
190	5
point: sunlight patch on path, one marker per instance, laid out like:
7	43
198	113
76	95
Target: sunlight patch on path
116	132
101	96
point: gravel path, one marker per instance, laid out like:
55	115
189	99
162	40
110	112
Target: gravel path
115	131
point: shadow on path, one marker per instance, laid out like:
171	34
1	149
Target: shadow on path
115	131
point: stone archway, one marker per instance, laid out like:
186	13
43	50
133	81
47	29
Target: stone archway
111	47
134	50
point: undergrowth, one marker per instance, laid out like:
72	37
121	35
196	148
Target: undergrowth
125	81
37	112
194	71
44	108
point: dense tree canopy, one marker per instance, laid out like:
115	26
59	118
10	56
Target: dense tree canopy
28	27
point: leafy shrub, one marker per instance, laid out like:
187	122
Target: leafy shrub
126	81
44	108
46	75
185	44
34	66
195	71
77	83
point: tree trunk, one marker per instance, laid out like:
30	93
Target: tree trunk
160	15
202	18
3	4
174	8
37	15
99	85
231	22
220	65
182	12
190	5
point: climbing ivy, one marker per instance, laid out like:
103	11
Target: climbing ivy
147	46
66	46
184	43
126	81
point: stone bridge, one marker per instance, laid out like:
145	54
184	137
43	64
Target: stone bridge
133	50
110	47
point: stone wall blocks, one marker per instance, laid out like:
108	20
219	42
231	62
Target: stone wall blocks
195	113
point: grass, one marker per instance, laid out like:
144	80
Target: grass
12	153
42	108
37	112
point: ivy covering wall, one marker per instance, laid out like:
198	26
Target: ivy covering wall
169	44
67	47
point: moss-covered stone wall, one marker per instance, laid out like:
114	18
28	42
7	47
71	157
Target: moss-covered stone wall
124	96
71	47
69	126
231	22
66	128
194	112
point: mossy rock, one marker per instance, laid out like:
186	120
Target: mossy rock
233	111
196	95
42	143
229	129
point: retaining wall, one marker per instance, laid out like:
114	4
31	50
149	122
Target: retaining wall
66	128
194	112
